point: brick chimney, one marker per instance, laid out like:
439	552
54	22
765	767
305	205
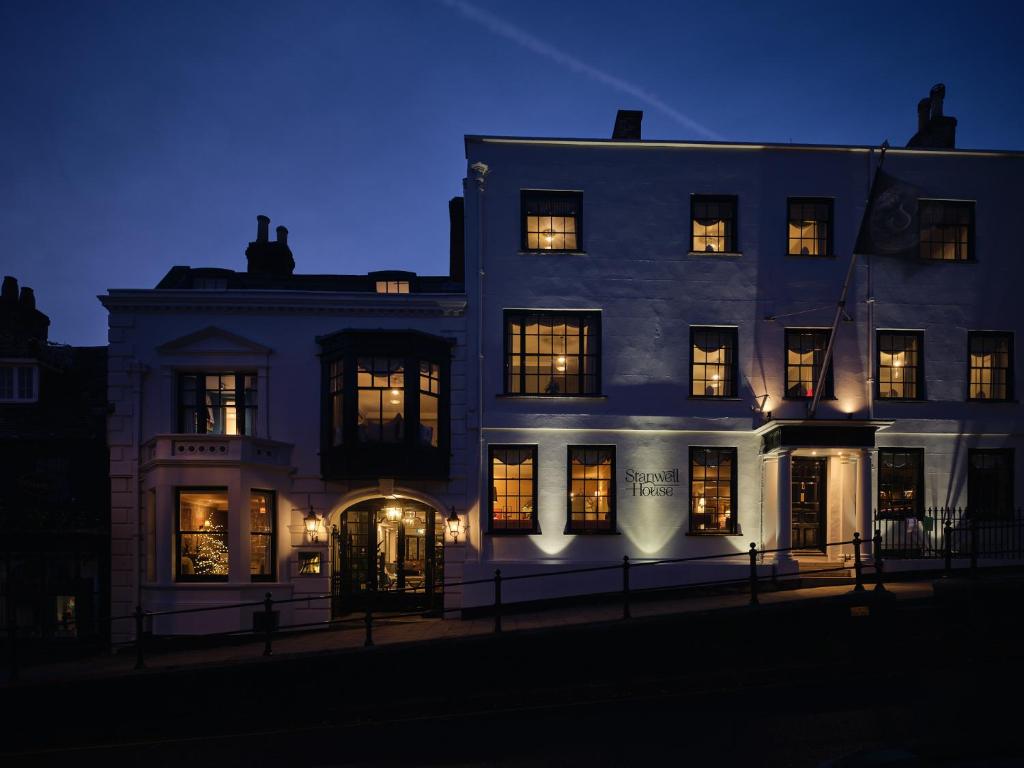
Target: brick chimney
457	239
934	129
627	124
269	258
20	321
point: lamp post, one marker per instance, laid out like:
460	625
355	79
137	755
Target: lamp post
454	525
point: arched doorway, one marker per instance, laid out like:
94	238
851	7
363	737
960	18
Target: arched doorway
390	551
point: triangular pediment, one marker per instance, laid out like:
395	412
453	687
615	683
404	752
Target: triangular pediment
213	341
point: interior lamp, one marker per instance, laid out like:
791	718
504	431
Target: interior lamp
393	514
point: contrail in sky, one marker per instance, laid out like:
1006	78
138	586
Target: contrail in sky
522	37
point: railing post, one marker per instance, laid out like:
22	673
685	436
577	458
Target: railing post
947	540
369	618
497	600
879	564
625	587
753	574
140	662
974	544
858	564
268	626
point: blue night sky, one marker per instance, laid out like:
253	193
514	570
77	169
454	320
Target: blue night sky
137	136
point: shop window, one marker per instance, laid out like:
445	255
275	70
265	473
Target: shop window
202	534
552	353
900	483
713	224
713	362
262	516
551	221
990	361
513	484
805	353
713	490
899	365
217	403
591	489
810	227
947	230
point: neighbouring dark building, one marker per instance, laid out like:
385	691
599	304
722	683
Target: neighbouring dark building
55	495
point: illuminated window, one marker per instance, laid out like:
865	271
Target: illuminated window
551	221
591	481
991	365
18	383
713	224
713	362
810	227
513	483
380	383
947	230
900	483
430	396
392	286
217	403
336	393
262	561
899	365
990	483
202	535
805	351
712	490
552	353
309	563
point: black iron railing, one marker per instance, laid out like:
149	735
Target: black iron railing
953	532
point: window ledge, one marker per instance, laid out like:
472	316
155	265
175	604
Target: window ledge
552	253
502	534
715	254
924	260
988	401
550	397
706	534
904	400
715	399
808	399
569	532
823	257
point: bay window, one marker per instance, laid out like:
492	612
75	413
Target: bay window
201	534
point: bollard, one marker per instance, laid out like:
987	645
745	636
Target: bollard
974	546
947	533
625	587
140	662
753	574
268	628
879	564
858	565
497	600
369	619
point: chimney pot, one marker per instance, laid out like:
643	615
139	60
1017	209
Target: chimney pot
282	235
9	293
262	228
936	96
627	124
924	106
28	298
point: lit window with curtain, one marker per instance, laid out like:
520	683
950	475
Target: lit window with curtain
513	483
591	484
552	353
217	403
990	361
900	483
946	230
380	393
551	220
712	490
805	353
899	365
713	224
713	362
810	227
262	563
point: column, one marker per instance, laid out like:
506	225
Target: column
784	534
866	496
238	527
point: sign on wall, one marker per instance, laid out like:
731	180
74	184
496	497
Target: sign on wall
661	483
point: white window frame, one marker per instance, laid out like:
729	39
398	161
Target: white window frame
15	365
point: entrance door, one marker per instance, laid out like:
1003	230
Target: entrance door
809	503
389	552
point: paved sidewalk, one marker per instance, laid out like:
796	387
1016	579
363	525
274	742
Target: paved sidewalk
393	631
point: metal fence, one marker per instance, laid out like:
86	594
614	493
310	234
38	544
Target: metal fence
953	532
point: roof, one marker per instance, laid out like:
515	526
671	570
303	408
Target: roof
208	278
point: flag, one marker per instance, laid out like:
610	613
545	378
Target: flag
891	223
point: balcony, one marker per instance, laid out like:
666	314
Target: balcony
215	449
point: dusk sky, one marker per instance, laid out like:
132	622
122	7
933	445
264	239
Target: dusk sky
141	135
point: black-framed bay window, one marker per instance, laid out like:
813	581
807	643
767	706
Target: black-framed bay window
989	365
900	370
551	220
809	226
946	230
262	535
713	362
553	353
512	478
990	483
805	352
217	403
201	534
713	224
900	483
386	404
590	496
713	491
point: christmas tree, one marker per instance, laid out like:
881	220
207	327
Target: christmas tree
211	558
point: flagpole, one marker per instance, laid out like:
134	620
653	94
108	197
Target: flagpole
841	304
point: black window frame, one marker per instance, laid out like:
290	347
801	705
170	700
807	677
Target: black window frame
1007	509
492	450
200	394
829	393
272	516
924	204
734	229
886	513
612	528
734	530
830	223
528	197
522	317
1008	336
732	332
920	393
192	577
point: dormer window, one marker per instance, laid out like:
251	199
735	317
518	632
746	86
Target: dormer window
19	382
392	286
